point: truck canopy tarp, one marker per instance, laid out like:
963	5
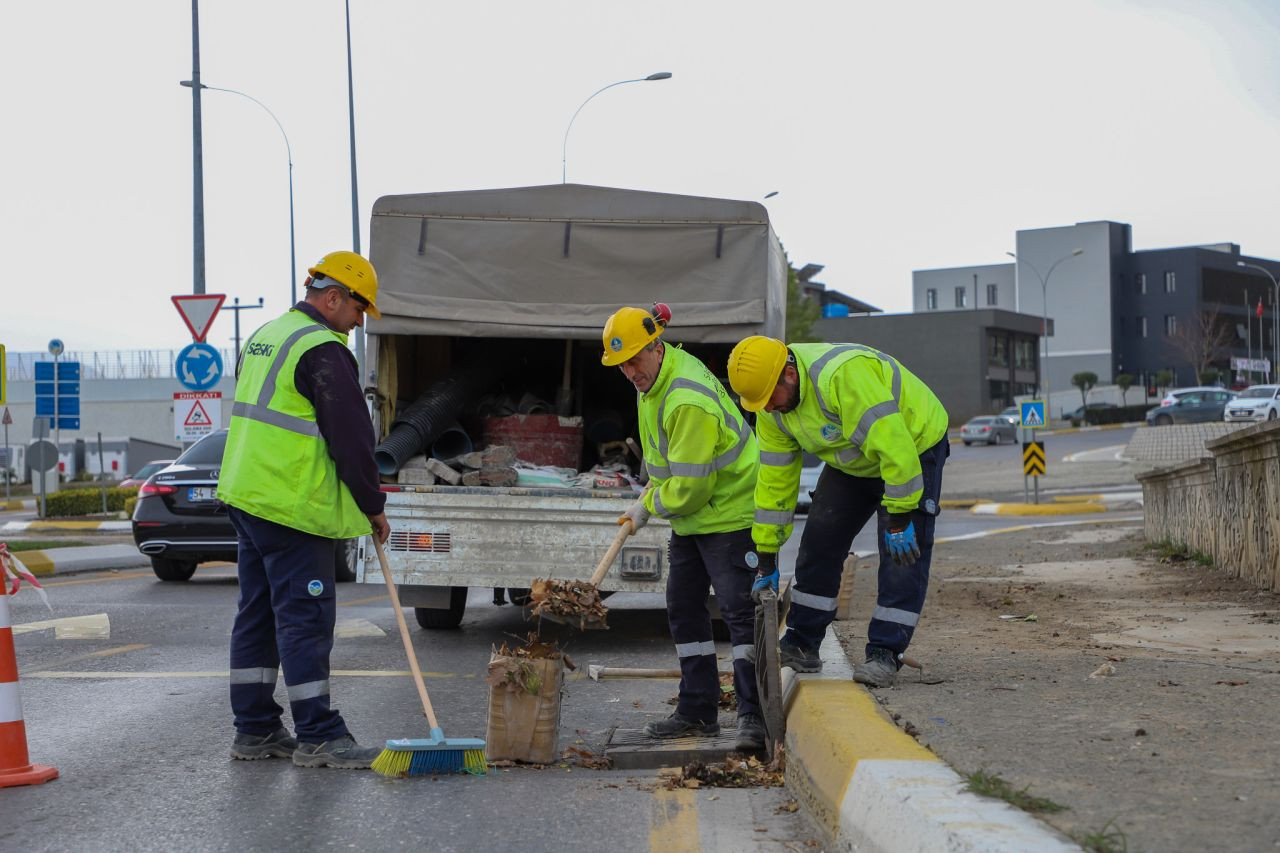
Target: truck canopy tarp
556	261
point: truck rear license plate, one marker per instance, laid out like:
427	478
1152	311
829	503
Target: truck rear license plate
202	494
641	563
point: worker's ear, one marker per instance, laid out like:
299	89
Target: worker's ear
791	373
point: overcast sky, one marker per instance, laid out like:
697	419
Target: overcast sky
898	136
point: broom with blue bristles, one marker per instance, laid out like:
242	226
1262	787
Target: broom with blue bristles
435	754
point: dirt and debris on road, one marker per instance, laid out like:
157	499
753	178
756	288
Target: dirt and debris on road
1142	698
736	771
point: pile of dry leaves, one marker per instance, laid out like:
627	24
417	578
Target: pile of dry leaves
575	602
735	772
510	666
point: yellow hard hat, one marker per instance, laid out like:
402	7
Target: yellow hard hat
755	365
630	330
355	274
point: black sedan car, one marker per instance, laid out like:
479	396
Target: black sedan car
179	521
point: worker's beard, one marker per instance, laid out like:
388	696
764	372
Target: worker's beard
793	395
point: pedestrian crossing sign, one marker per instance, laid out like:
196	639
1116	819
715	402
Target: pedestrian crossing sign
1033	413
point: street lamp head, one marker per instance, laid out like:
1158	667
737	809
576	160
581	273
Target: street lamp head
1075	252
1012	255
187	84
772	194
659	75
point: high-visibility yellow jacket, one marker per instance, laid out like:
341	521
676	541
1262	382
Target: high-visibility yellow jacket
276	465
861	412
699	450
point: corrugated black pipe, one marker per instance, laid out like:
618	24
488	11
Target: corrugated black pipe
422	422
451	443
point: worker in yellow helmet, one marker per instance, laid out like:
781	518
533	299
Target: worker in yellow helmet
299	479
883	436
702	458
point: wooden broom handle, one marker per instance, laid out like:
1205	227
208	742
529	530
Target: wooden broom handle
404	635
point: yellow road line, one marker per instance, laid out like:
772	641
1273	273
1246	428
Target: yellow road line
366	600
673	822
105	653
347	673
122	576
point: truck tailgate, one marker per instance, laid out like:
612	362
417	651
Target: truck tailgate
506	537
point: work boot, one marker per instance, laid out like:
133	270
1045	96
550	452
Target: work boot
879	670
799	659
343	753
678	725
751	733
278	744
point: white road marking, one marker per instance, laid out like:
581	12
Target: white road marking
357	628
1115	451
95	627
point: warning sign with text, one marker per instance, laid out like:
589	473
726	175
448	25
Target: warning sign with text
196	414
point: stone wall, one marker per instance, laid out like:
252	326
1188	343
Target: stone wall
1226	505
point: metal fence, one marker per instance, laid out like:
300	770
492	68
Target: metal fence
110	364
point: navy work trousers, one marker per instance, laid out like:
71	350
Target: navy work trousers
842	505
717	561
285	620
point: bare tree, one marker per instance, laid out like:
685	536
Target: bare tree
1206	338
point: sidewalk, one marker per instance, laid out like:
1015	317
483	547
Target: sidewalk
1137	693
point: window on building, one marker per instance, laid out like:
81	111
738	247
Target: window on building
1170	282
998	351
1140	283
991	294
962	297
1024	354
1170	324
931	299
1142	327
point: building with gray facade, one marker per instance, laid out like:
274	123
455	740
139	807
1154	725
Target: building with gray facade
977	362
1111	309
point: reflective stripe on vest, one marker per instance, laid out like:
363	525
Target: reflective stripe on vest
778	459
260	411
687	469
870	416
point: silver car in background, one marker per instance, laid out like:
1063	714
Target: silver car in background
989	429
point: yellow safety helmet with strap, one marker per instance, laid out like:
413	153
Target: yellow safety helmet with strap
630	330
354	273
755	366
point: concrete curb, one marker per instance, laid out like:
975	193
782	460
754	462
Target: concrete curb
17	505
89	558
869	786
1064	505
65	524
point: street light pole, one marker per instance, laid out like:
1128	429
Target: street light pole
355	197
564	147
197	159
1044	319
293	255
1275	327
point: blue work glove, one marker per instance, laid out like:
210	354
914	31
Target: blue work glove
900	539
766	566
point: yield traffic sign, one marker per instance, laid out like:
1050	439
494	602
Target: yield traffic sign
198	311
1033	458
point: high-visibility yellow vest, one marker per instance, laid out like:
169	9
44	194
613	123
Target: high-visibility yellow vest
276	464
861	412
703	476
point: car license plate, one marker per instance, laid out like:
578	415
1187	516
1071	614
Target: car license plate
198	494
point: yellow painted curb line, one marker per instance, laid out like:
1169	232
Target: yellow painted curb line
37	562
1074	499
65	525
1040	509
962	503
831	726
12	506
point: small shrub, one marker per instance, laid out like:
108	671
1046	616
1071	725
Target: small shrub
74	502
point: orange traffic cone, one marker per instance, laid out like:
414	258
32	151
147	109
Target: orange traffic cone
15	766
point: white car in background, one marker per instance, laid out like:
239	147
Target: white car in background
1255	403
1176	394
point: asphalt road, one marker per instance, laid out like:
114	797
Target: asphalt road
129	702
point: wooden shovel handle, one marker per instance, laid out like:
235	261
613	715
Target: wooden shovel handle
624	530
404	635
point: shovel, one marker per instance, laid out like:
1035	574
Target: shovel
588	621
